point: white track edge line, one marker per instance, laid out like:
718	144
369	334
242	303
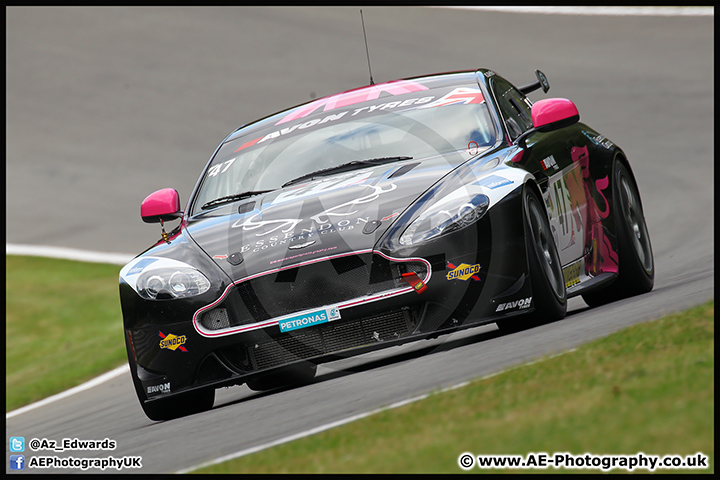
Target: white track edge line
68	254
699	11
83	256
80	388
359	416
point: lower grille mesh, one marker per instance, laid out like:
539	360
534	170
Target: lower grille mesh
324	339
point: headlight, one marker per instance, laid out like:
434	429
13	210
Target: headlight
457	210
457	201
171	282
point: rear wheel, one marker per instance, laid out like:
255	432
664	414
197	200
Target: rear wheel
287	376
636	265
546	278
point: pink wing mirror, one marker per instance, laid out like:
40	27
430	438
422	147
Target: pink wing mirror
554	113
548	115
161	206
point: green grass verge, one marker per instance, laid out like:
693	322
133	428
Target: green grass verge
63	326
648	388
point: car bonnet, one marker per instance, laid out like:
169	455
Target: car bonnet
325	217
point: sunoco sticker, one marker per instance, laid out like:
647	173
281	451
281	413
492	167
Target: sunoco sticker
463	272
173	342
308	319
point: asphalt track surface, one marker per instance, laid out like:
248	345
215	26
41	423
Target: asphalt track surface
106	105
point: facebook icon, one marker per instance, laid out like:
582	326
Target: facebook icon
17	462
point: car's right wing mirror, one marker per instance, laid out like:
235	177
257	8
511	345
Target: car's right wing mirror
161	206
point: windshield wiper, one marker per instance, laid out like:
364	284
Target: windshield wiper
345	167
233	198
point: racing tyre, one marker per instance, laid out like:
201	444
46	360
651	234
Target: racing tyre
636	273
287	376
546	277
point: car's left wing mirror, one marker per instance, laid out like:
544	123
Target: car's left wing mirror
161	206
550	114
553	114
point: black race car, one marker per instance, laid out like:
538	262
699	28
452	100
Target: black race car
386	214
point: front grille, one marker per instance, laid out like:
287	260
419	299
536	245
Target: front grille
324	339
287	349
309	286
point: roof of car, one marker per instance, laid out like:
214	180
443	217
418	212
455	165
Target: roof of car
359	94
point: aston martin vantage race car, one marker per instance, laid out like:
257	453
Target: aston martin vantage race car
382	215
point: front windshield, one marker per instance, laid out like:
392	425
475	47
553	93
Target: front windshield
419	125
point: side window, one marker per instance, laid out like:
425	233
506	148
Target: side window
514	106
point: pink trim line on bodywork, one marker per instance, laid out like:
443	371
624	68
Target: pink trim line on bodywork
550	110
274	321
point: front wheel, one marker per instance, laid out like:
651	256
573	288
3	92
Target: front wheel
546	277
636	273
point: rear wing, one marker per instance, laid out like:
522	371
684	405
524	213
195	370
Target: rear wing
540	82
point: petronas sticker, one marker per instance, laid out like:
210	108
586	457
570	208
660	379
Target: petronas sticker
308	319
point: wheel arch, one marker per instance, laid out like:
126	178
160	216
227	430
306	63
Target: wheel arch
548	303
531	184
610	222
619	155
